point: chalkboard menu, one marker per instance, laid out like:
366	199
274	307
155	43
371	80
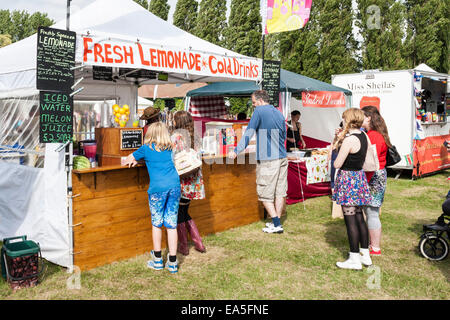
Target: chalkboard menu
55	57
271	80
130	139
56	117
141	73
102	73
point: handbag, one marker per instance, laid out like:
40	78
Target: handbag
371	162
336	211
392	156
186	162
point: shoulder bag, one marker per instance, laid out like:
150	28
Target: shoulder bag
392	156
371	162
187	162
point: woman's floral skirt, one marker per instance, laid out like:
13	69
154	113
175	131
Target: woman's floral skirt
377	186
351	189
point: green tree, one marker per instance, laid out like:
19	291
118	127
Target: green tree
325	46
337	44
160	8
298	50
243	34
381	24
238	105
185	15
143	3
211	21
427	38
20	24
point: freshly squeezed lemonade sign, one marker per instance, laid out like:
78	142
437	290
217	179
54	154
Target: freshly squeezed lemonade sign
55	58
98	51
56	117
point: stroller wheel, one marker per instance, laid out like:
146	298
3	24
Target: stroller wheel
433	248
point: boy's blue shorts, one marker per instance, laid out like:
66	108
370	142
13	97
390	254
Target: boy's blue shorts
164	208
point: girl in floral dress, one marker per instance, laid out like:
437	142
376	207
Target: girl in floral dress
351	189
192	186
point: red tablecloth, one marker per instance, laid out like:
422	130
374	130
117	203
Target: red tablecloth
294	193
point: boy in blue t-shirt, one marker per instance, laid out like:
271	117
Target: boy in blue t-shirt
164	192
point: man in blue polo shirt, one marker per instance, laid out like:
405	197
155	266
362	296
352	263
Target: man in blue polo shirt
271	169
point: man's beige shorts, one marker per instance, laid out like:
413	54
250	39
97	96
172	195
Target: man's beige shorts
271	179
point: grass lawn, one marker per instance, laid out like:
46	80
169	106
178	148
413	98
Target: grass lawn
244	263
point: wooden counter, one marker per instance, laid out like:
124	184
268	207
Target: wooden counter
112	217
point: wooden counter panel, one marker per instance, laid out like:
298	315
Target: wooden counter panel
115	217
109	183
111	250
115	205
106	218
110	231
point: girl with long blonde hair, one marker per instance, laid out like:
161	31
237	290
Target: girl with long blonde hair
351	189
163	193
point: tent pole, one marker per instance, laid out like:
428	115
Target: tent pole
68	15
262	46
69	175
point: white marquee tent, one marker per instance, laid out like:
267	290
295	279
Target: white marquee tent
36	201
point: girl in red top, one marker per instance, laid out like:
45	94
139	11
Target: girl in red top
378	134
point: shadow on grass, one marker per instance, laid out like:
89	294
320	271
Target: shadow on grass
444	265
336	236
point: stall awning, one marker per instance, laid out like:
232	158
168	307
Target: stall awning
122	34
297	83
291	81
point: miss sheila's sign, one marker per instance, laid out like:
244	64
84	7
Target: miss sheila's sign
106	52
323	99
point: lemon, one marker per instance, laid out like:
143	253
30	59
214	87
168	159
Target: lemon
116	108
125	106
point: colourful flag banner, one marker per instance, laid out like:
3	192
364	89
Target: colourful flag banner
287	15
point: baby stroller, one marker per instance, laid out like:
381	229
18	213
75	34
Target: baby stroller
433	244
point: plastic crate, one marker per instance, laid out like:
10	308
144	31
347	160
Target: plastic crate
21	262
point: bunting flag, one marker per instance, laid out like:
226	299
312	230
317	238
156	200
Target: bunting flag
409	159
287	15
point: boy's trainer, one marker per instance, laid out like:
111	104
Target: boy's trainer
155	263
171	266
273	229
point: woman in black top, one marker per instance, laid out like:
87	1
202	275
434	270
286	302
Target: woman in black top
294	133
351	189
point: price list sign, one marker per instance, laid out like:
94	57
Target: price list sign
130	139
140	73
56	117
55	58
271	80
102	73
